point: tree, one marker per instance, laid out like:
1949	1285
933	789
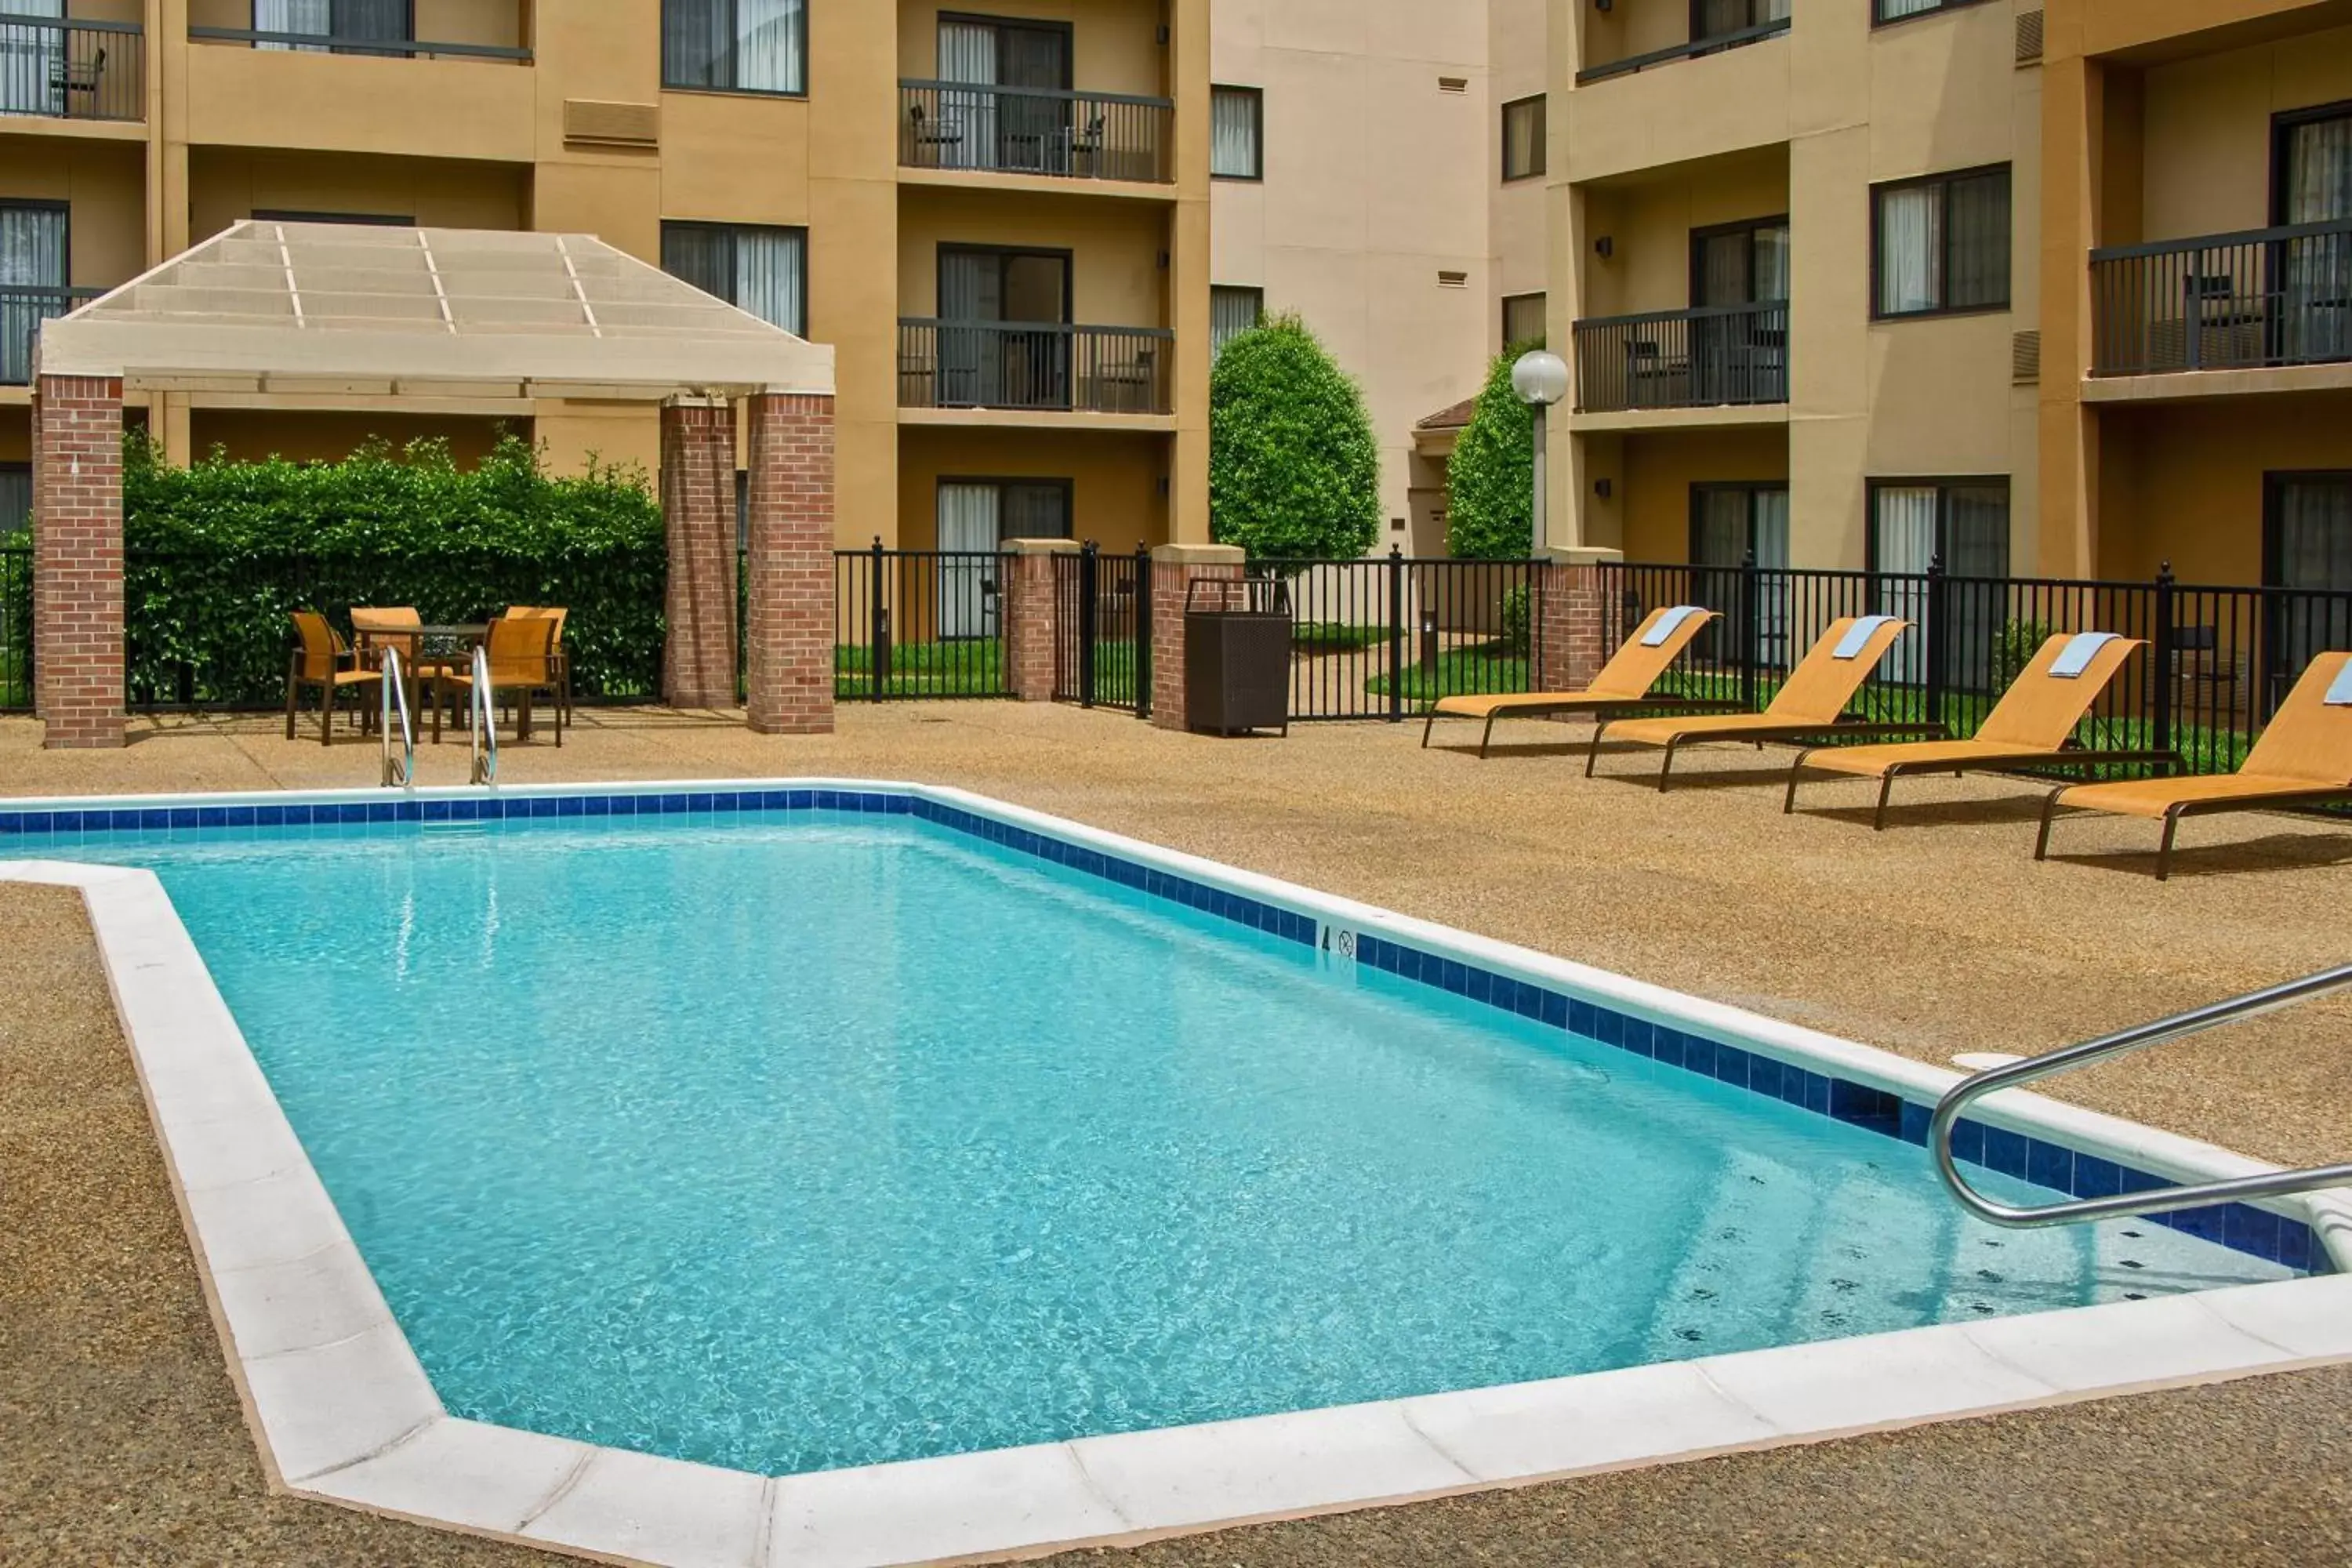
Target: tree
1294	471
1490	484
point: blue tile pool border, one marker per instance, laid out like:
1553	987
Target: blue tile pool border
2242	1227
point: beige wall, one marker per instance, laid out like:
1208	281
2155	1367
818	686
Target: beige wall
1114	44
2206	146
227	183
248	434
100	183
2185	481
1114	479
1115	248
1658	470
1648	220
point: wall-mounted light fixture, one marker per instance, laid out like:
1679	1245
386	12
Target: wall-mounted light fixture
1604	248
1603	489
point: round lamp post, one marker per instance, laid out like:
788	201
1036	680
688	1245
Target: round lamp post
1541	380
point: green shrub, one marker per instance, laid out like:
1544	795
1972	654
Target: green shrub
1490	483
2015	649
218	553
1293	471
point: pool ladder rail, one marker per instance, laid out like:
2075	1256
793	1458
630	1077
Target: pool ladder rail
484	721
2158	1200
399	769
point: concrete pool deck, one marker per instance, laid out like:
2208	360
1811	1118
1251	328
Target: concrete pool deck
1341	791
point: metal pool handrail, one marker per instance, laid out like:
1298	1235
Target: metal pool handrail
2160	1200
397	771
485	721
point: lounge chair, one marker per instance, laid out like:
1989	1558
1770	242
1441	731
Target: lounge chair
519	652
1811	702
2302	758
2032	725
319	662
1624	682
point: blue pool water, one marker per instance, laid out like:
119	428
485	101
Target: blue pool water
788	1143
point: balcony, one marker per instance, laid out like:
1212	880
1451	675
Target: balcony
490	33
1035	367
1713	44
23	309
1034	131
1720	356
2255	301
72	70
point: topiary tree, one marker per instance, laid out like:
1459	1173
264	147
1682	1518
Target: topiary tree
1490	484
1294	471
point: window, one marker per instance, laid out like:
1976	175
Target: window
2306	545
1523	319
34	248
1713	18
16	498
1231	312
2312	183
1730	522
736	46
1964	525
762	271
975	517
1236	128
1009	107
1523	138
387	21
1740	263
1941	243
1887	11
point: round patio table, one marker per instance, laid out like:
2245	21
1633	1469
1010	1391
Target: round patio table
433	644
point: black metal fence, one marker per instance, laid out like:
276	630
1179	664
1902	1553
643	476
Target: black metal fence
2219	661
1035	131
1102	621
2230	301
78	69
920	623
1034	365
23	309
1684	359
15	627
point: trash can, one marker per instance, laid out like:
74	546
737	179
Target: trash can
1237	656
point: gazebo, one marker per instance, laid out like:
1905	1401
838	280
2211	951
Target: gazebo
331	316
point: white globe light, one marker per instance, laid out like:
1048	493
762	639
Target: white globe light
1540	378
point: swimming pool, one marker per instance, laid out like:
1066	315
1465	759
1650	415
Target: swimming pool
795	1130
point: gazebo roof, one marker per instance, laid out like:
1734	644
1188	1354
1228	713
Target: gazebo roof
338	310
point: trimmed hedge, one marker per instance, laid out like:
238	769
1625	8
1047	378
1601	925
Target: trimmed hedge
1490	483
216	557
1294	468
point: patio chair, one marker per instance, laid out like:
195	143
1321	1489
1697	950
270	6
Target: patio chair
321	662
2032	725
562	660
2303	758
1811	702
521	664
1624	682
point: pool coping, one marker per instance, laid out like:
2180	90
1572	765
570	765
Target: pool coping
341	1411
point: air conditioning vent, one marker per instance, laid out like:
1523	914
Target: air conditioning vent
1454	279
600	124
1453	84
2025	358
2029	38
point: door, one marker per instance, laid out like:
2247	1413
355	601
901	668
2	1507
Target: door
970	521
967	128
32	62
1033	124
2309	547
1005	343
1742	269
33	267
1730	522
1902	541
2315	186
972	292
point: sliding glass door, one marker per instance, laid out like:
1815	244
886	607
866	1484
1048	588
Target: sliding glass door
1004	341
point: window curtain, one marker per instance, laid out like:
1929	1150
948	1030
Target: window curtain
1976	270
32	258
1905	532
2319	267
1891	10
30	61
971	289
1910	249
1770	265
2314	552
969	520
1523	139
1524	321
1231	312
697	37
294	16
1772	535
771	46
1035	512
968	118
701	254
1234	134
771	276
390	21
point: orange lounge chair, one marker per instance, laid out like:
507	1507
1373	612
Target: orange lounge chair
1812	702
2303	758
319	662
2032	725
1624	682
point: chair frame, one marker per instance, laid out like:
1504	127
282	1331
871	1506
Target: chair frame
331	687
2018	761
2180	808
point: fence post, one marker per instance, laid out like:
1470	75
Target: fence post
1938	640
1089	599
878	660
1396	633
1750	633
2166	653
1143	631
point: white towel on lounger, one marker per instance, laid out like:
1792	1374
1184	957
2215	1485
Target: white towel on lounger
1669	623
1858	636
2076	655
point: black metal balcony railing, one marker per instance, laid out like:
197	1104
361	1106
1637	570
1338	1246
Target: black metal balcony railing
23	309
332	43
1684	359
1034	365
2228	301
1031	130
72	70
1715	44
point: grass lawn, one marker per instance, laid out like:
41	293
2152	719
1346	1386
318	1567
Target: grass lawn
1335	636
959	669
1463	672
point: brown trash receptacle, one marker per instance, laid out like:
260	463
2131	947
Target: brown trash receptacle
1237	656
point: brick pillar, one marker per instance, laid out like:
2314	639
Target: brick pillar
1174	569
1033	615
697	496
1571	589
78	560
789	633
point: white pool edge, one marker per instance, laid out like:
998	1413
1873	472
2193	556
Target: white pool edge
343	1411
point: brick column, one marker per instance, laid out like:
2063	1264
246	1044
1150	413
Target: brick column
1174	569
78	560
1569	586
697	497
1033	615
789	633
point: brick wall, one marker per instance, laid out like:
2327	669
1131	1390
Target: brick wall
1032	619
1174	569
1572	651
789	630
78	560
697	496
